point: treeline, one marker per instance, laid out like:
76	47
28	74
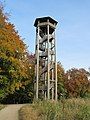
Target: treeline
17	70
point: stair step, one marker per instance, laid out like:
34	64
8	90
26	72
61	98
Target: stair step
51	37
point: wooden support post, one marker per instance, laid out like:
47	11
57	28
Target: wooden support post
55	69
48	73
37	71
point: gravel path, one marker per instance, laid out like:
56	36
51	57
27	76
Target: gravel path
10	112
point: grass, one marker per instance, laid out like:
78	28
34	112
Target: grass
70	109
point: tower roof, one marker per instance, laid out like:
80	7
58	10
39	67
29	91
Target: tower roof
44	19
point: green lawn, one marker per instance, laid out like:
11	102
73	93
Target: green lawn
70	109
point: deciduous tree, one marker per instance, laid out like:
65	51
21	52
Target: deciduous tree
77	82
15	66
62	92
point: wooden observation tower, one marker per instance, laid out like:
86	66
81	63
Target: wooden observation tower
45	84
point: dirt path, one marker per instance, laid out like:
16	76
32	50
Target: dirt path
10	112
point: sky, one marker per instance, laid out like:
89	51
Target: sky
72	31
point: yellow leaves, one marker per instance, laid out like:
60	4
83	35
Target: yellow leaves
10	40
15	62
17	86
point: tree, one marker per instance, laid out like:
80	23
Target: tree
61	81
76	82
15	66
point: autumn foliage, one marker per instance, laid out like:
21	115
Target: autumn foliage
77	83
62	92
14	61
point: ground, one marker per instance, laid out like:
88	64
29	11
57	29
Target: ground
10	112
